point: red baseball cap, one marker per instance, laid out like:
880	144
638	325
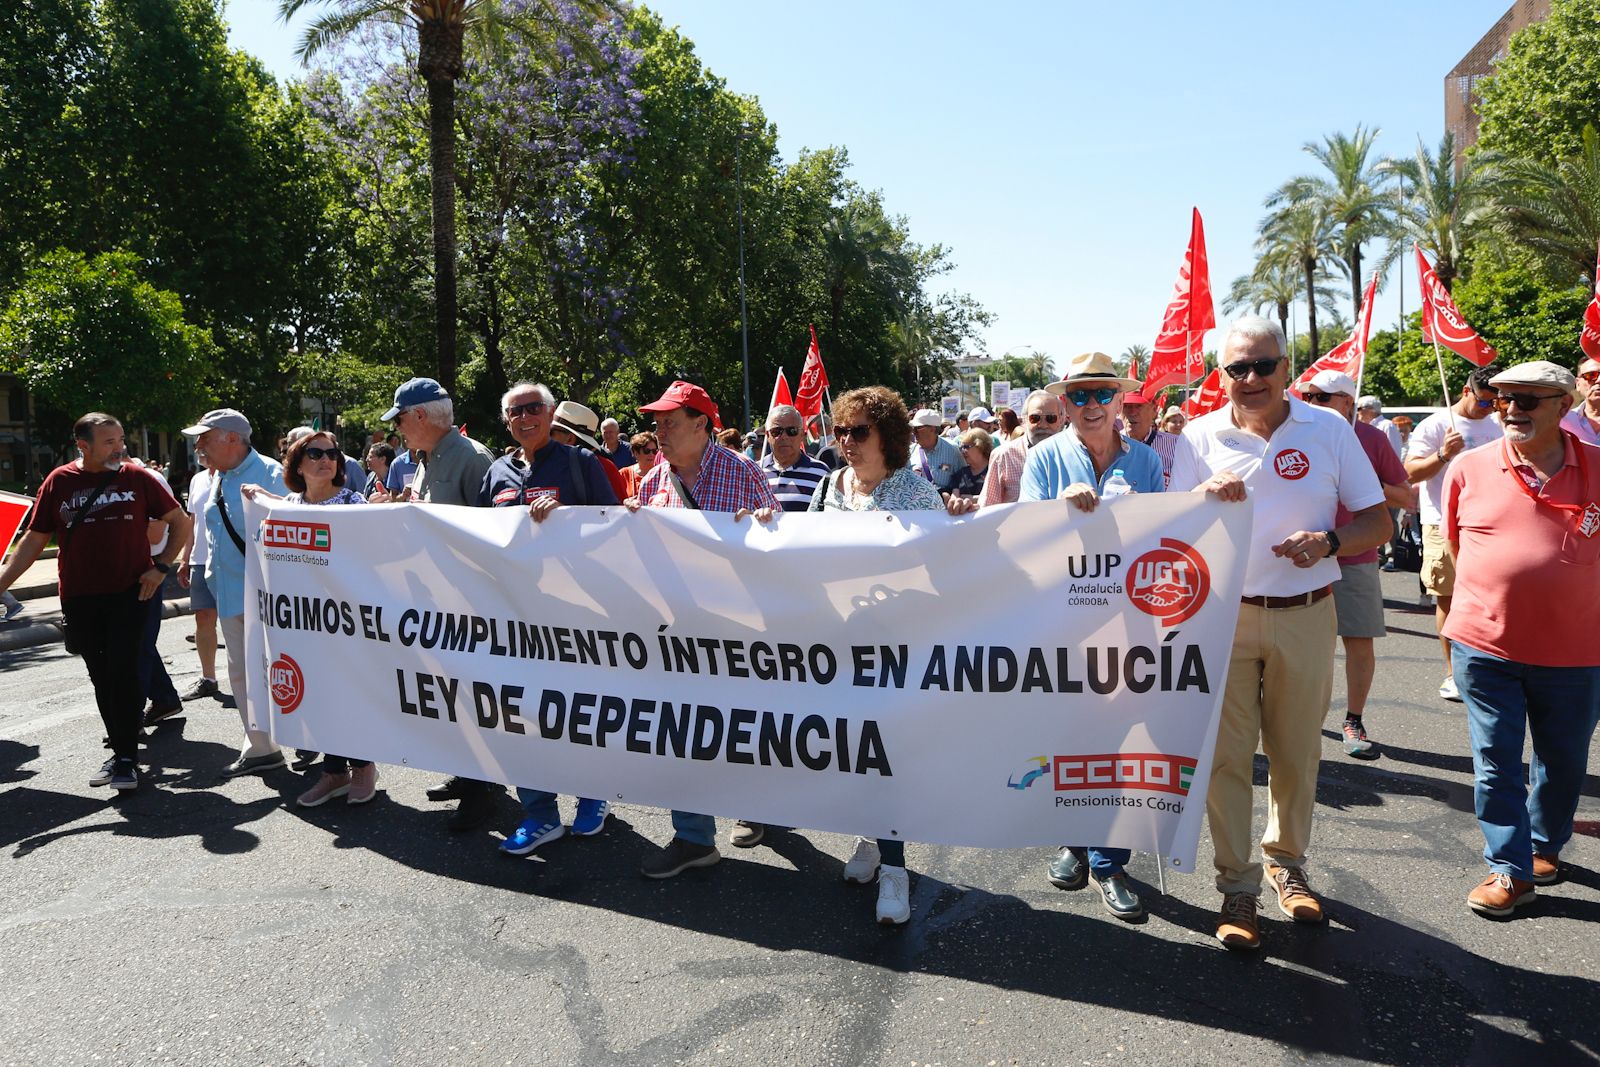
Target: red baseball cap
682	394
1135	397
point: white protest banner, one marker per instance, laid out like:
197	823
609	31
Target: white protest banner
845	672
951	408
999	393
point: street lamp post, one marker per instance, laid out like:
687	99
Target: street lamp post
744	322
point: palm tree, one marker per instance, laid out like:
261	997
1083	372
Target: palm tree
858	242
442	29
1555	210
1274	287
1300	237
1351	194
1135	354
1443	211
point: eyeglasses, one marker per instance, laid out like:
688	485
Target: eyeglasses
1484	402
965	447
1318	398
855	433
313	452
1523	401
783	431
1263	368
645	451
532	407
1080	397
1051	418
1590	376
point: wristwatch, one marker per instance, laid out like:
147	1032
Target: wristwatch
164	568
1333	542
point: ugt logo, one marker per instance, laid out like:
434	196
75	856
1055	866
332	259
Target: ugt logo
1170	582
1291	464
287	683
306	536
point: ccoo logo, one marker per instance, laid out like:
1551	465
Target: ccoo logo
287	683
1170	582
307	536
1291	464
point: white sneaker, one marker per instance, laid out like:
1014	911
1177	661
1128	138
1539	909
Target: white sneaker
894	895
1448	690
863	866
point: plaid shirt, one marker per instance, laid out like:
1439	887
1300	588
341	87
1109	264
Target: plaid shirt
1004	483
727	481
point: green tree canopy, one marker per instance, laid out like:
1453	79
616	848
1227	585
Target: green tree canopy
1547	87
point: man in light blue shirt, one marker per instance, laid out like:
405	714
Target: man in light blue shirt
935	458
223	438
1075	465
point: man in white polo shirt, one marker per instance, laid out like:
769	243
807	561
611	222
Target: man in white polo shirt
1298	463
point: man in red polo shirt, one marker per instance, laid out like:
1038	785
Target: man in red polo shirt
1522	518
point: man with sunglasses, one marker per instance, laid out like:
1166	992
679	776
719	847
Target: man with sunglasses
1470	423
1358	594
937	459
1298	463
1523	520
792	475
542	474
1075	465
1583	421
1044	418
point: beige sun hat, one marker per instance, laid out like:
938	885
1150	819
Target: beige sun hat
1090	370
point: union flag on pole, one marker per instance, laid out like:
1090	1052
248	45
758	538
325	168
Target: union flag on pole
1178	357
780	392
1589	340
1209	397
1442	322
813	381
1351	356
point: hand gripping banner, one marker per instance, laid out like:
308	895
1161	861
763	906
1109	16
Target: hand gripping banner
1026	676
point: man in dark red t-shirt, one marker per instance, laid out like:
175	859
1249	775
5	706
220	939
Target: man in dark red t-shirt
98	509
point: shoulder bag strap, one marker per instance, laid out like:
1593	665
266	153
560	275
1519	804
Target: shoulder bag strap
83	512
222	506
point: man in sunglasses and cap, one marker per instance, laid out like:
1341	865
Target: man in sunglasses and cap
696	472
1076	465
1298	463
1522	518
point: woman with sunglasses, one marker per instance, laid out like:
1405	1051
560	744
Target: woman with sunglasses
976	447
645	449
313	470
874	434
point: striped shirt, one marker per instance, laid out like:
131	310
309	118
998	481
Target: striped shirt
727	481
1166	445
794	486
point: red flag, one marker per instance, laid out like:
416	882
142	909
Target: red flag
1179	357
1209	397
813	380
780	392
13	512
1133	368
1349	357
1589	339
1442	321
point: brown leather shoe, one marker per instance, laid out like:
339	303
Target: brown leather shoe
746	834
1500	895
1546	869
1295	898
1236	922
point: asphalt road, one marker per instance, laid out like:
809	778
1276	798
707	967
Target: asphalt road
199	921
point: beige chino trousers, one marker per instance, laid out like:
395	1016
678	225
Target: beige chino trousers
1280	680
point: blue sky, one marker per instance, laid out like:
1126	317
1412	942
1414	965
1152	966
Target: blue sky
1057	148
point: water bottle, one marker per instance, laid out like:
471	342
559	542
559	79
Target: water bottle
1116	485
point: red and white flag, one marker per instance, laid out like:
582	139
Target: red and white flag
780	392
1351	356
1179	357
1209	397
1589	339
13	513
1442	321
813	381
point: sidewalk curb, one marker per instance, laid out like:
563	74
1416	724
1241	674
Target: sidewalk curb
46	630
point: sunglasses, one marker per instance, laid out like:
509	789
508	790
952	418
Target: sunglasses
855	433
1482	401
783	431
1591	377
1036	418
1263	368
313	452
645	451
1523	401
532	407
1080	397
1318	398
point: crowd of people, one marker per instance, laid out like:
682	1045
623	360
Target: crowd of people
1505	485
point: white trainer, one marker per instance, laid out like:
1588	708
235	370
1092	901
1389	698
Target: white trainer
1448	690
863	866
894	895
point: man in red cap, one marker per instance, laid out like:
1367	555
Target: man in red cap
1139	415
696	472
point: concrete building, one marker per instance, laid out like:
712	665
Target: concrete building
1461	84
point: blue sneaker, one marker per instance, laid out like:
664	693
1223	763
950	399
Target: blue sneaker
591	817
530	835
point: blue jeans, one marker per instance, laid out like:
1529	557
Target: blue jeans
695	829
540	805
154	682
1506	701
1105	862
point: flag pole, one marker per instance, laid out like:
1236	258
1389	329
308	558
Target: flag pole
1444	387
